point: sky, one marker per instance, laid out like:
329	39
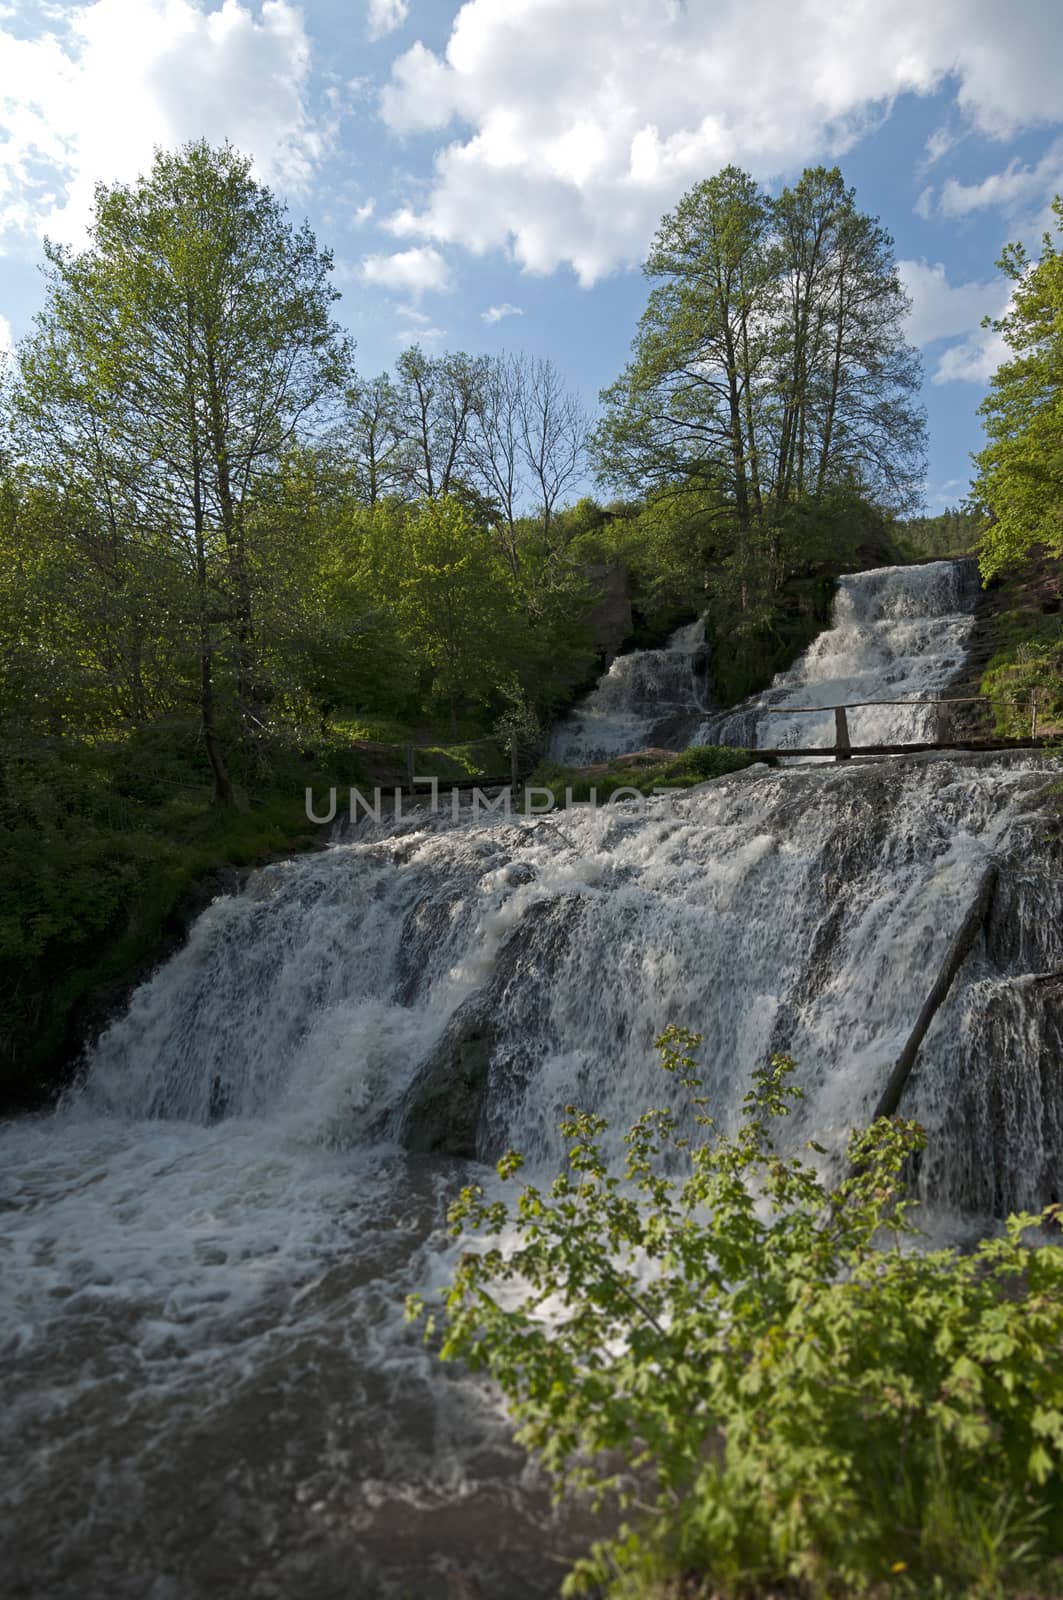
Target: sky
490	176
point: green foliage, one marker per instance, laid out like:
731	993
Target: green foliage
98	843
760	1364
518	728
454	602
770	361
953	532
693	766
1020	471
1022	631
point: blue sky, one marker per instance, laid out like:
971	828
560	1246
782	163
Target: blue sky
489	176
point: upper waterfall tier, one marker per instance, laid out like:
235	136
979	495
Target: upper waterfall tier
897	634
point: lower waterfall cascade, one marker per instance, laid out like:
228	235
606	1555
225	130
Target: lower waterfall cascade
208	1243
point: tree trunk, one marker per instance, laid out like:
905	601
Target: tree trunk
223	789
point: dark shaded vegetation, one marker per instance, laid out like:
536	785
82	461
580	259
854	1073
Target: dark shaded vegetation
645	773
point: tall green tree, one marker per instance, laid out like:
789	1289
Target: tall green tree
844	376
455	603
684	413
177	359
770	363
1020	470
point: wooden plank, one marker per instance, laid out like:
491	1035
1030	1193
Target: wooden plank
954	959
827	750
957	700
841	734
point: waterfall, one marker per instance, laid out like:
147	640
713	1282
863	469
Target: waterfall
648	697
207	1246
802	910
896	634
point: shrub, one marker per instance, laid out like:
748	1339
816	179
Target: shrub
798	1395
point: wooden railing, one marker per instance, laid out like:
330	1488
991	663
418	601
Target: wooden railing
843	748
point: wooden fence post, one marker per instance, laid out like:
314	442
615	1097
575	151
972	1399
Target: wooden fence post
943	722
841	735
513	765
409	766
1033	714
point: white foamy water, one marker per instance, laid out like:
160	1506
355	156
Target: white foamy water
637	703
208	1387
896	634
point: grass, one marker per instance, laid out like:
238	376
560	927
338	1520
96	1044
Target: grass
683	771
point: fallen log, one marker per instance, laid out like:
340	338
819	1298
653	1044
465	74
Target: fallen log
954	958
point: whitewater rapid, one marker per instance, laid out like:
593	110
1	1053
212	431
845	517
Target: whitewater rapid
648	697
897	634
209	1390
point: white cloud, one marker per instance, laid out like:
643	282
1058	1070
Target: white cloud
974	360
364	212
940	142
418	271
941	310
430	337
1016	188
496	313
412	314
384	16
90	100
579	122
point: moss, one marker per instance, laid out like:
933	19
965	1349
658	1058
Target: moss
1024	633
683	771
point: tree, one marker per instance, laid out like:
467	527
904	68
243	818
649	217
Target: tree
438	396
176	360
553	434
684	413
454	602
1020	470
770	362
371	439
495	445
844	373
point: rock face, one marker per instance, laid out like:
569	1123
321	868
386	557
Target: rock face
443	1112
610	616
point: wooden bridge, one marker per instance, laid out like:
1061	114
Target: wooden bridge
945	738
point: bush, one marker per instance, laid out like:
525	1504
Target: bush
798	1395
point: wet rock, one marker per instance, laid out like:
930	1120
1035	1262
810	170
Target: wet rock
442	1113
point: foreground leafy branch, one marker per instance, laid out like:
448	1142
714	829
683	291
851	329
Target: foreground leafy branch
758	1366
